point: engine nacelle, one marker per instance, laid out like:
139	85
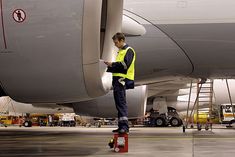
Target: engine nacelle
53	56
105	106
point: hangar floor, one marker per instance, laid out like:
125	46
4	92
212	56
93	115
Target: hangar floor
147	142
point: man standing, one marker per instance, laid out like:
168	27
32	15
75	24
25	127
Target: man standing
123	78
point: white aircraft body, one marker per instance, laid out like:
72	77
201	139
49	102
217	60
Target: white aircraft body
220	96
51	51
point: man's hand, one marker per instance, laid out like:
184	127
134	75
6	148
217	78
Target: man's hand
109	64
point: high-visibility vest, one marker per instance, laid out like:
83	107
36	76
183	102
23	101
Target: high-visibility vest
131	70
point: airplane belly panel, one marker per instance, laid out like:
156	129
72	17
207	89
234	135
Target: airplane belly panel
210	46
204	34
158	55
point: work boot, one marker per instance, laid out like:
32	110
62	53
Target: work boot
116	130
123	131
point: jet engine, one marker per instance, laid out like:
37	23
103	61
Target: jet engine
105	106
54	54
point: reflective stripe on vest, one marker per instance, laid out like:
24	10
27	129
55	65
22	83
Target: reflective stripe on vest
131	70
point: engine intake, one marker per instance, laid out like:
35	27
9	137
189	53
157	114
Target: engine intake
55	54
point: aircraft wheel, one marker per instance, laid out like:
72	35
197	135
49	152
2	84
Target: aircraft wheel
160	122
175	122
27	124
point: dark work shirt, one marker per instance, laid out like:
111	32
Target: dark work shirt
118	67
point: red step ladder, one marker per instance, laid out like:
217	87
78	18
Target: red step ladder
119	143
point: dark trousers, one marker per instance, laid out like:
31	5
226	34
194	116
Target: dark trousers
119	92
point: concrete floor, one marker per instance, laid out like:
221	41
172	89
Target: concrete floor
143	142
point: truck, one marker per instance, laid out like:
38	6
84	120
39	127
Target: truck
67	119
227	114
171	117
35	119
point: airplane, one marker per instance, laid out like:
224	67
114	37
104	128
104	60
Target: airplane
179	99
54	53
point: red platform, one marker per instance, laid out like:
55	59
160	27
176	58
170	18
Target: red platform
121	143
